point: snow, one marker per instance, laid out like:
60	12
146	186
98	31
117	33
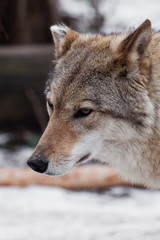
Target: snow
123	14
4	138
76	7
118	14
45	213
17	157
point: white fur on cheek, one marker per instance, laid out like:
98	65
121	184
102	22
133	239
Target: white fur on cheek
89	144
122	149
62	168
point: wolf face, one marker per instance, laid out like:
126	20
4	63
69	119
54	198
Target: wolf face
98	101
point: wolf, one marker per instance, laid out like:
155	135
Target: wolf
103	100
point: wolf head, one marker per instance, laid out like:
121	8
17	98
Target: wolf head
97	97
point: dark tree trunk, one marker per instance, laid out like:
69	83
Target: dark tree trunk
26	21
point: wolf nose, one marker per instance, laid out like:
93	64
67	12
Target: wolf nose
37	163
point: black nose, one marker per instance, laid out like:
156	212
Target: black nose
37	163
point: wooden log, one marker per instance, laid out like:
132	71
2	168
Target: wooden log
80	178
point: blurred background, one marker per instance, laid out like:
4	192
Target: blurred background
44	210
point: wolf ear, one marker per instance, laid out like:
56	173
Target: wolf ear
138	41
63	38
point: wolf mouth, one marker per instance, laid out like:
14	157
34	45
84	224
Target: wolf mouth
83	158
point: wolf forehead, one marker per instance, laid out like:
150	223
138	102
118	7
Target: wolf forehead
88	64
88	58
84	60
72	87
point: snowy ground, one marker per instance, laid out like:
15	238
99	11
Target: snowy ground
45	213
14	158
48	213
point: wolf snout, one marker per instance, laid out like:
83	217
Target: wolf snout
38	163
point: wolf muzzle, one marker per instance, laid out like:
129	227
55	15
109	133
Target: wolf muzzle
38	163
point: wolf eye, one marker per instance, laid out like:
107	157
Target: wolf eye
50	105
83	112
